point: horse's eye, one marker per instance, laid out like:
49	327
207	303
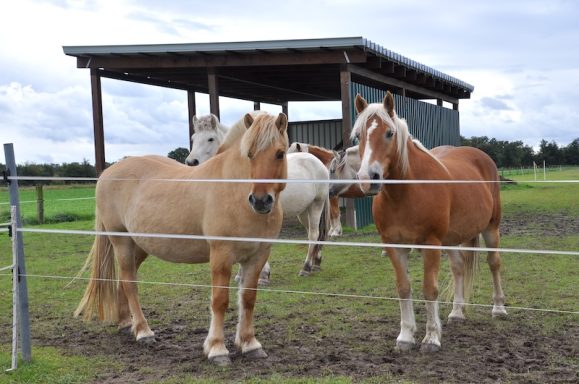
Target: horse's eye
389	134
211	139
279	155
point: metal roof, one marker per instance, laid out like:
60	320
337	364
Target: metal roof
165	64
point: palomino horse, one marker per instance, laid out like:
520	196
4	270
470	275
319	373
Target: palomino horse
427	214
146	204
308	201
327	157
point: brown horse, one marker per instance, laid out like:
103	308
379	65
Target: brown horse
428	214
145	204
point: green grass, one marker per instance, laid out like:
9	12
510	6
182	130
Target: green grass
529	280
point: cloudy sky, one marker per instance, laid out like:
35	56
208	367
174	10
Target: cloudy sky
521	56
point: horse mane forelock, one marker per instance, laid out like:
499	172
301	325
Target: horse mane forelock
399	126
261	135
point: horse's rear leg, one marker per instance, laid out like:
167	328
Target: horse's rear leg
399	259
264	276
125	250
311	221
214	345
125	319
431	341
457	267
492	239
245	335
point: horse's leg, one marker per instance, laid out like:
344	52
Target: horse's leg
304	218
399	259
264	275
245	335
125	250
214	345
125	319
457	267
336	224
492	238
431	341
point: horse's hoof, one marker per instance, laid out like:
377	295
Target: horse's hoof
499	312
429	348
125	330
147	340
404	346
220	361
255	354
316	268
304	273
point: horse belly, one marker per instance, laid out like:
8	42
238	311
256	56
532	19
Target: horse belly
176	250
296	198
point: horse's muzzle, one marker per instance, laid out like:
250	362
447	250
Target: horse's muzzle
261	204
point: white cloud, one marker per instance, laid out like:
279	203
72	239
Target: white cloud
518	55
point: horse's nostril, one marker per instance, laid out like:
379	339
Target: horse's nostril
195	162
375	176
269	199
251	199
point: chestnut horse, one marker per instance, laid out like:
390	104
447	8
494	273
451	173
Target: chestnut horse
146	204
441	214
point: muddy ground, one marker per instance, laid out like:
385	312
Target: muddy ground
475	351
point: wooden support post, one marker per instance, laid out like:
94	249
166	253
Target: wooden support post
284	109
192	108
439	102
345	81
40	204
455	106
256	106
97	116
213	91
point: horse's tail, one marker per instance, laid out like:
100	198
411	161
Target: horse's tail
100	296
470	272
471	266
324	225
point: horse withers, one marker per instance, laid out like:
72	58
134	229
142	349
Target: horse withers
436	214
135	196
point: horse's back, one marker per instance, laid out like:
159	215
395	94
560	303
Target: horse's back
466	163
297	196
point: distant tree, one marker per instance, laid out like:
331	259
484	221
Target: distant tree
179	154
84	169
571	153
550	153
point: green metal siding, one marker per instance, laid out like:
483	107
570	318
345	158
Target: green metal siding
429	123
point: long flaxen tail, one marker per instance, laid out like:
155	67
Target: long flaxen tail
471	266
100	297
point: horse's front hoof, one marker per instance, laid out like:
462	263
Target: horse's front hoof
220	361
429	348
455	320
147	340
255	354
303	273
404	346
125	330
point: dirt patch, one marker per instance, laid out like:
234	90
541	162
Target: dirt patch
475	351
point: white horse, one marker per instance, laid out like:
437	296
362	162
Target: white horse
208	136
308	201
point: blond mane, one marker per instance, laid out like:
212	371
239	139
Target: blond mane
400	129
262	134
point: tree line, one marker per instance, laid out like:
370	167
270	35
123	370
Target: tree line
515	154
506	154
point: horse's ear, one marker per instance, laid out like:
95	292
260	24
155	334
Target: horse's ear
281	122
214	121
298	147
247	120
360	103
195	120
389	103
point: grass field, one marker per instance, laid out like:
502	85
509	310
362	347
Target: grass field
536	216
